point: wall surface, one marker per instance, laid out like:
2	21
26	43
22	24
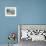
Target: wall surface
28	12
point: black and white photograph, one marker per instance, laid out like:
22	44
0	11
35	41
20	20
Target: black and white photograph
10	11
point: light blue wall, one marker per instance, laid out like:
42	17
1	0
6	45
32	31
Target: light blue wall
33	11
28	12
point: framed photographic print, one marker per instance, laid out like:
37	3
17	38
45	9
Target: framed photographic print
10	11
